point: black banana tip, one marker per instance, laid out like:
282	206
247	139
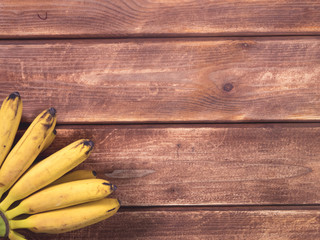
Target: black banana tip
14	95
112	187
52	111
54	131
94	173
89	143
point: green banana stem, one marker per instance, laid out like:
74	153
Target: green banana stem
4	225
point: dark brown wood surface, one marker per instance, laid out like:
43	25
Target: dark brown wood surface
177	80
204	164
165	18
200	224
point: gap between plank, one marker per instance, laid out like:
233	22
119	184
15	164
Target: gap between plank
25	125
162	37
275	207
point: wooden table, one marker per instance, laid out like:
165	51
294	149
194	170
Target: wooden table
205	114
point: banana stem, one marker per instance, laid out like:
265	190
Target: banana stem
16	236
4	225
15	224
5	204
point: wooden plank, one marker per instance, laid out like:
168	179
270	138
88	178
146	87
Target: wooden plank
204	165
142	18
193	224
177	80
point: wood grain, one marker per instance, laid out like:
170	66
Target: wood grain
177	80
194	224
165	18
204	165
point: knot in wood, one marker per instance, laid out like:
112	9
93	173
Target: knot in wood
228	87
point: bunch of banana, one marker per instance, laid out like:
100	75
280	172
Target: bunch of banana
51	198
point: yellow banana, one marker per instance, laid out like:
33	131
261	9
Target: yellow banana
27	149
15	236
48	170
50	139
10	116
75	175
69	219
74	201
63	195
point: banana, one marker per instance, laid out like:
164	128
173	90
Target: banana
15	236
69	219
48	170
27	149
74	201
75	175
63	195
50	139
10	116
